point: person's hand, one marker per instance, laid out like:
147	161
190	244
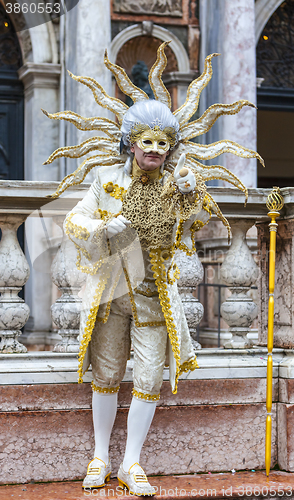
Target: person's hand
184	176
116	226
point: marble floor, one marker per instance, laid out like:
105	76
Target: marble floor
220	486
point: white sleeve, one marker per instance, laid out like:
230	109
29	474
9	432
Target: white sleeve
85	227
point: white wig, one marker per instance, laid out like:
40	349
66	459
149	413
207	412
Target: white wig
152	113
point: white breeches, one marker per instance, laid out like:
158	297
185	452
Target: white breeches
139	321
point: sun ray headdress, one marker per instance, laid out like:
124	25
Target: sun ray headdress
107	149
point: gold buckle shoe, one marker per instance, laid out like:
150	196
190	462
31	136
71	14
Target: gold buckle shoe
98	473
135	480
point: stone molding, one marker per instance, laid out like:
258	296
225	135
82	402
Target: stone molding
177	78
29	195
214	364
148	8
42	75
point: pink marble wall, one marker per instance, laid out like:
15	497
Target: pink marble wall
57	445
284	311
239	82
47	432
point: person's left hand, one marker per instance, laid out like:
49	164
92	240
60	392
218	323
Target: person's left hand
184	176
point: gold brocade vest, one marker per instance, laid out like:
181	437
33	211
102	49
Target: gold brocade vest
142	205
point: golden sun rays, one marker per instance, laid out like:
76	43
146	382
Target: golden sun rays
107	149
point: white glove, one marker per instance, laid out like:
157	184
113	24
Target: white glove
116	226
187	183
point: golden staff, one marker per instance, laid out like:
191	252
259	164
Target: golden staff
275	202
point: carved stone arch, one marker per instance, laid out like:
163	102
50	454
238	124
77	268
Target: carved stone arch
22	32
38	44
177	75
44	44
176	46
264	9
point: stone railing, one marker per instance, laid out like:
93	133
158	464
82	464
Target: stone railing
20	201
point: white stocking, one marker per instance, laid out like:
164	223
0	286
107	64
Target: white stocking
104	408
139	420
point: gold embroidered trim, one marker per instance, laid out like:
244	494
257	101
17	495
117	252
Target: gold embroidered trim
104	390
179	244
86	269
157	266
147	293
134	308
147	397
188	366
212	205
72	229
101	214
114	190
197	224
90	325
107	311
173	273
206	205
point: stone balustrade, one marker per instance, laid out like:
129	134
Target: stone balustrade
23	199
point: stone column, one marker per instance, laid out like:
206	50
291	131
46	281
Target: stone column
239	272
239	82
14	272
66	310
191	274
86	34
228	27
284	278
211	16
41	84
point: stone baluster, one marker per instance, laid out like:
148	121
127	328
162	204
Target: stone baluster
14	272
239	272
191	274
66	310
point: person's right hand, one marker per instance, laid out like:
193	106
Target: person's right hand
116	226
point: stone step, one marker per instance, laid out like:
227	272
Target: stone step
47	430
239	485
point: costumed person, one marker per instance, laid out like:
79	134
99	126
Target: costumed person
148	199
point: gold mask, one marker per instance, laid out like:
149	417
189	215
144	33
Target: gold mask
154	140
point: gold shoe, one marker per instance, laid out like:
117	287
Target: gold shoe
135	480
98	473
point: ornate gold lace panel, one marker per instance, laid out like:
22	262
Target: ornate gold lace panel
142	205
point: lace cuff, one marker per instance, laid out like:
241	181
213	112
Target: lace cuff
183	205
